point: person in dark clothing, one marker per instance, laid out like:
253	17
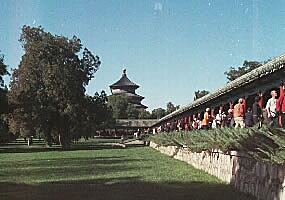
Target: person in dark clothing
182	124
248	118
229	118
256	111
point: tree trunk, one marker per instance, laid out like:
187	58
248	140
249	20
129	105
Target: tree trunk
64	142
59	140
66	145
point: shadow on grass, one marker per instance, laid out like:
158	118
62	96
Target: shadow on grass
119	188
60	168
20	148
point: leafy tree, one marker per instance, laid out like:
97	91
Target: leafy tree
98	114
144	114
47	90
171	108
119	105
198	94
3	87
132	112
3	70
247	66
104	114
5	134
158	113
122	109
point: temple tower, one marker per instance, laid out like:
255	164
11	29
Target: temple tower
125	87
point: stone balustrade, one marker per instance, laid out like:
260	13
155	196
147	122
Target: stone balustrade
263	180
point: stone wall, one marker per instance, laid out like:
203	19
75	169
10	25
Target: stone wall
264	181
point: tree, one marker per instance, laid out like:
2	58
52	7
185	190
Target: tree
247	66
132	112
103	112
48	88
3	87
144	114
122	109
158	113
5	134
98	114
3	70
171	108
198	94
119	105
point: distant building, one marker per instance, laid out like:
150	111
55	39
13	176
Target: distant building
125	87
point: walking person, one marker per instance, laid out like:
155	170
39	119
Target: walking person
280	105
230	119
271	109
256	111
239	114
219	119
248	118
205	121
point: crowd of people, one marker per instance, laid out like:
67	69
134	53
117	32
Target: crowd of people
236	117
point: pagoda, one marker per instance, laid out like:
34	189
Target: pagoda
125	87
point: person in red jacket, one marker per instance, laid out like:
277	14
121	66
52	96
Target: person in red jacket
280	106
239	114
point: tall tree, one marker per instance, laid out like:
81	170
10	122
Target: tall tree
171	108
48	88
144	114
247	66
3	70
198	94
98	114
158	113
5	134
103	112
3	87
132	112
122	109
119	105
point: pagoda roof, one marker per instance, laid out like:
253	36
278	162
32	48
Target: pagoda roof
139	105
124	81
132	95
129	95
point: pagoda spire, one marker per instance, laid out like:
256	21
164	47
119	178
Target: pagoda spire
124	72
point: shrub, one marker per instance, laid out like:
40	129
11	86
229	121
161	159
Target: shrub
265	144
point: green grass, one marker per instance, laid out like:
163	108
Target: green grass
97	170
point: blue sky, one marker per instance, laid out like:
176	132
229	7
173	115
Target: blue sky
170	48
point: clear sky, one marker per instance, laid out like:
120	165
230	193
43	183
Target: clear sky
169	47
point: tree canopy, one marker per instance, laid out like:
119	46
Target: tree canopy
48	89
3	70
171	108
247	66
119	105
158	113
198	94
122	109
98	115
5	134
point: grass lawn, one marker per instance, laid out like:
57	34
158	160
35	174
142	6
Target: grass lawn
97	170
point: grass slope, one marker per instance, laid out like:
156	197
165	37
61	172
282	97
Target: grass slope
97	170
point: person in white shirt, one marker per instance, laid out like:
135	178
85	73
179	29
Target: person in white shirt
271	109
